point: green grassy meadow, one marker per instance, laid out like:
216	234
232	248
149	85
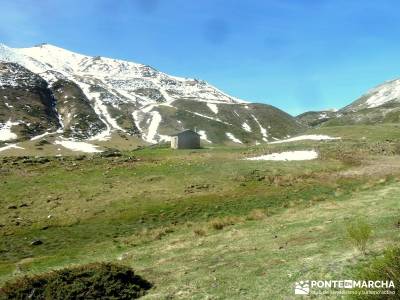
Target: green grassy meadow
205	224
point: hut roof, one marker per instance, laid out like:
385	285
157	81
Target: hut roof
185	131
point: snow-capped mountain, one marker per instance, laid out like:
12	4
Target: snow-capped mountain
93	97
388	92
379	105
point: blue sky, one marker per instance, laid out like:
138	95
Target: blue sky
298	55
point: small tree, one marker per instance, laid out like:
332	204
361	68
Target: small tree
359	232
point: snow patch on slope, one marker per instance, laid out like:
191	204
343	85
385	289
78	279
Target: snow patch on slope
312	137
246	127
207	117
203	136
263	131
152	136
78	146
38	137
11	146
101	136
100	109
213	107
5	131
153	127
323	115
233	138
137	116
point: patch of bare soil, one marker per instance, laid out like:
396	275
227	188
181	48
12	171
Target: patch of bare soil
375	166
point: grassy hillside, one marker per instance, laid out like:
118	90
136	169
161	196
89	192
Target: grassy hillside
315	118
371	133
263	121
205	223
384	114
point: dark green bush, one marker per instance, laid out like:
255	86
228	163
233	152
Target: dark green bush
386	267
93	281
42	143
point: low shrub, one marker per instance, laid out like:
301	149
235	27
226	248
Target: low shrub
351	159
220	223
42	143
382	268
359	232
159	233
217	224
199	232
92	281
110	152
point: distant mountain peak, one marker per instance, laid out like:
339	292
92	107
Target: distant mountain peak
380	104
41	45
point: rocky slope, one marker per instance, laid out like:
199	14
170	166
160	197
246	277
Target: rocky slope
27	105
90	98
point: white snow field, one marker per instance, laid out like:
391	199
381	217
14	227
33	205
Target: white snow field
312	137
78	146
288	156
383	93
5	131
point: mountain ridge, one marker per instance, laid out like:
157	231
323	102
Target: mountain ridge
380	104
98	96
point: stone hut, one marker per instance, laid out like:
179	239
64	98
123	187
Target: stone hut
187	139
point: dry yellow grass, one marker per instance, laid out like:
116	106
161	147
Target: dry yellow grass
257	214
